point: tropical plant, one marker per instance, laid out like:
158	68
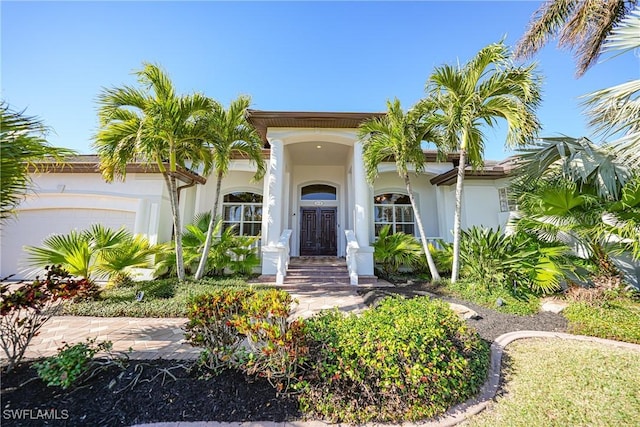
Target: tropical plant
93	253
394	250
463	98
22	145
580	25
579	194
495	259
397	136
615	111
228	134
154	125
228	250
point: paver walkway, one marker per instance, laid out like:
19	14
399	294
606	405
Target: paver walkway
151	338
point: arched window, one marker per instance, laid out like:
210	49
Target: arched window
244	210
393	209
318	192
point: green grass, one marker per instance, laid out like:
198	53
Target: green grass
617	319
162	298
522	304
566	383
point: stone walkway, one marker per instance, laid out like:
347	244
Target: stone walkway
151	338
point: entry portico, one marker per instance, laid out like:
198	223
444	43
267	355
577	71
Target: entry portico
315	188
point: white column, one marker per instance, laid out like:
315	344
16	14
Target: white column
362	212
272	208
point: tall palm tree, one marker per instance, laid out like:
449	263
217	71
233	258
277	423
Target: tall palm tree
22	144
467	97
398	136
228	134
155	125
615	111
580	25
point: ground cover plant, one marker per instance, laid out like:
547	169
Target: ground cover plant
597	385
616	318
155	298
406	359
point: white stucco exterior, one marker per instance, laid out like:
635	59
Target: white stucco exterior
297	157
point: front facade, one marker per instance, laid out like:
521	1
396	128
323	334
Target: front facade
313	201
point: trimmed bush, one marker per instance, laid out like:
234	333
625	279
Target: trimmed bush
404	360
248	330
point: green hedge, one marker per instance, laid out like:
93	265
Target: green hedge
617	319
404	360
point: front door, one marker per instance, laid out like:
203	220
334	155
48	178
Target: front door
318	231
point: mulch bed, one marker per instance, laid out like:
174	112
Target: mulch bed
148	392
143	393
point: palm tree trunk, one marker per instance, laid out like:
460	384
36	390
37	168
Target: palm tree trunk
212	223
423	238
170	180
457	216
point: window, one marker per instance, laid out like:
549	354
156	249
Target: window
318	192
507	201
393	209
244	210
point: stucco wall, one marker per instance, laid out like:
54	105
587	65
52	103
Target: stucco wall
61	202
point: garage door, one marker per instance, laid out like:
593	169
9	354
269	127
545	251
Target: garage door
30	227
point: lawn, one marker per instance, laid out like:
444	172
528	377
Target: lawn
574	384
158	298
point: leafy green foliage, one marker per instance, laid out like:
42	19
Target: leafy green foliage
248	330
71	363
25	309
228	251
498	260
617	319
157	300
404	360
22	145
93	253
394	250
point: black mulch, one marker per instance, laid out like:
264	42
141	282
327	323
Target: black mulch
146	391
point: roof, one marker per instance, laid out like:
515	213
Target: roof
90	163
262	120
491	170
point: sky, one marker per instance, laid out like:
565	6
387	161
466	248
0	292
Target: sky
56	57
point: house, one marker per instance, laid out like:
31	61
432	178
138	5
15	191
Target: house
314	199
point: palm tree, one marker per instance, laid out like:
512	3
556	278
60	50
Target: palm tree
398	136
615	111
96	252
22	144
580	25
228	134
485	89
154	125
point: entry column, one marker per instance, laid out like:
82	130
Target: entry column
362	217
272	209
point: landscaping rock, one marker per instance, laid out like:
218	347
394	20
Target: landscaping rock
464	311
553	305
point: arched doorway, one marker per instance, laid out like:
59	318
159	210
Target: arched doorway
318	230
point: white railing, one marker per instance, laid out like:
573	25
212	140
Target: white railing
283	256
352	252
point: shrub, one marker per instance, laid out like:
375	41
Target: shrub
392	251
26	309
71	363
404	360
248	330
518	300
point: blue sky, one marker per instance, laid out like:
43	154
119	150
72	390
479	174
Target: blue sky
290	56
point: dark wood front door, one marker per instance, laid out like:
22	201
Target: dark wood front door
318	231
